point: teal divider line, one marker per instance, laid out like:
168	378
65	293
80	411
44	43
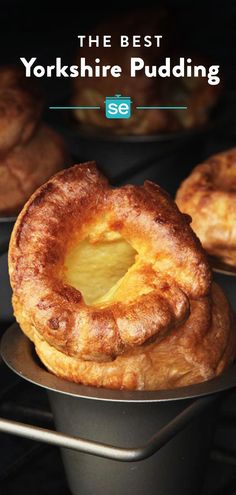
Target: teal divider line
137	108
161	108
74	108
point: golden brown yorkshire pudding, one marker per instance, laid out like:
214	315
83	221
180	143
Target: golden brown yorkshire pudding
20	108
30	152
209	196
26	167
196	351
113	286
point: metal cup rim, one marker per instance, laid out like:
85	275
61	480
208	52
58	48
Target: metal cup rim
18	354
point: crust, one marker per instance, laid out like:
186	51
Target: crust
209	196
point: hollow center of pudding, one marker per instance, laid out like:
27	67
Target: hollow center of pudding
95	268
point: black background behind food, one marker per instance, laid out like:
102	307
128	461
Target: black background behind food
46	29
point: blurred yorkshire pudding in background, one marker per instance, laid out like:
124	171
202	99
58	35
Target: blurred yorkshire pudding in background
113	287
30	152
209	196
21	106
193	92
25	168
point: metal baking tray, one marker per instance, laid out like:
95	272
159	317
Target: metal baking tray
121	428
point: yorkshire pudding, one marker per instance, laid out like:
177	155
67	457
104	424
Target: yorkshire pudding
113	287
30	152
21	106
209	196
26	167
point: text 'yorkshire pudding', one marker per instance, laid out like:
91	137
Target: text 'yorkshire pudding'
113	287
146	89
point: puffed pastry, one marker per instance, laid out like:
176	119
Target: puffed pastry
113	287
30	152
209	196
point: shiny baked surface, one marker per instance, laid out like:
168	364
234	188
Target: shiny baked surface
209	196
114	287
187	355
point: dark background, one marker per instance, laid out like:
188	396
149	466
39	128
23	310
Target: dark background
47	29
